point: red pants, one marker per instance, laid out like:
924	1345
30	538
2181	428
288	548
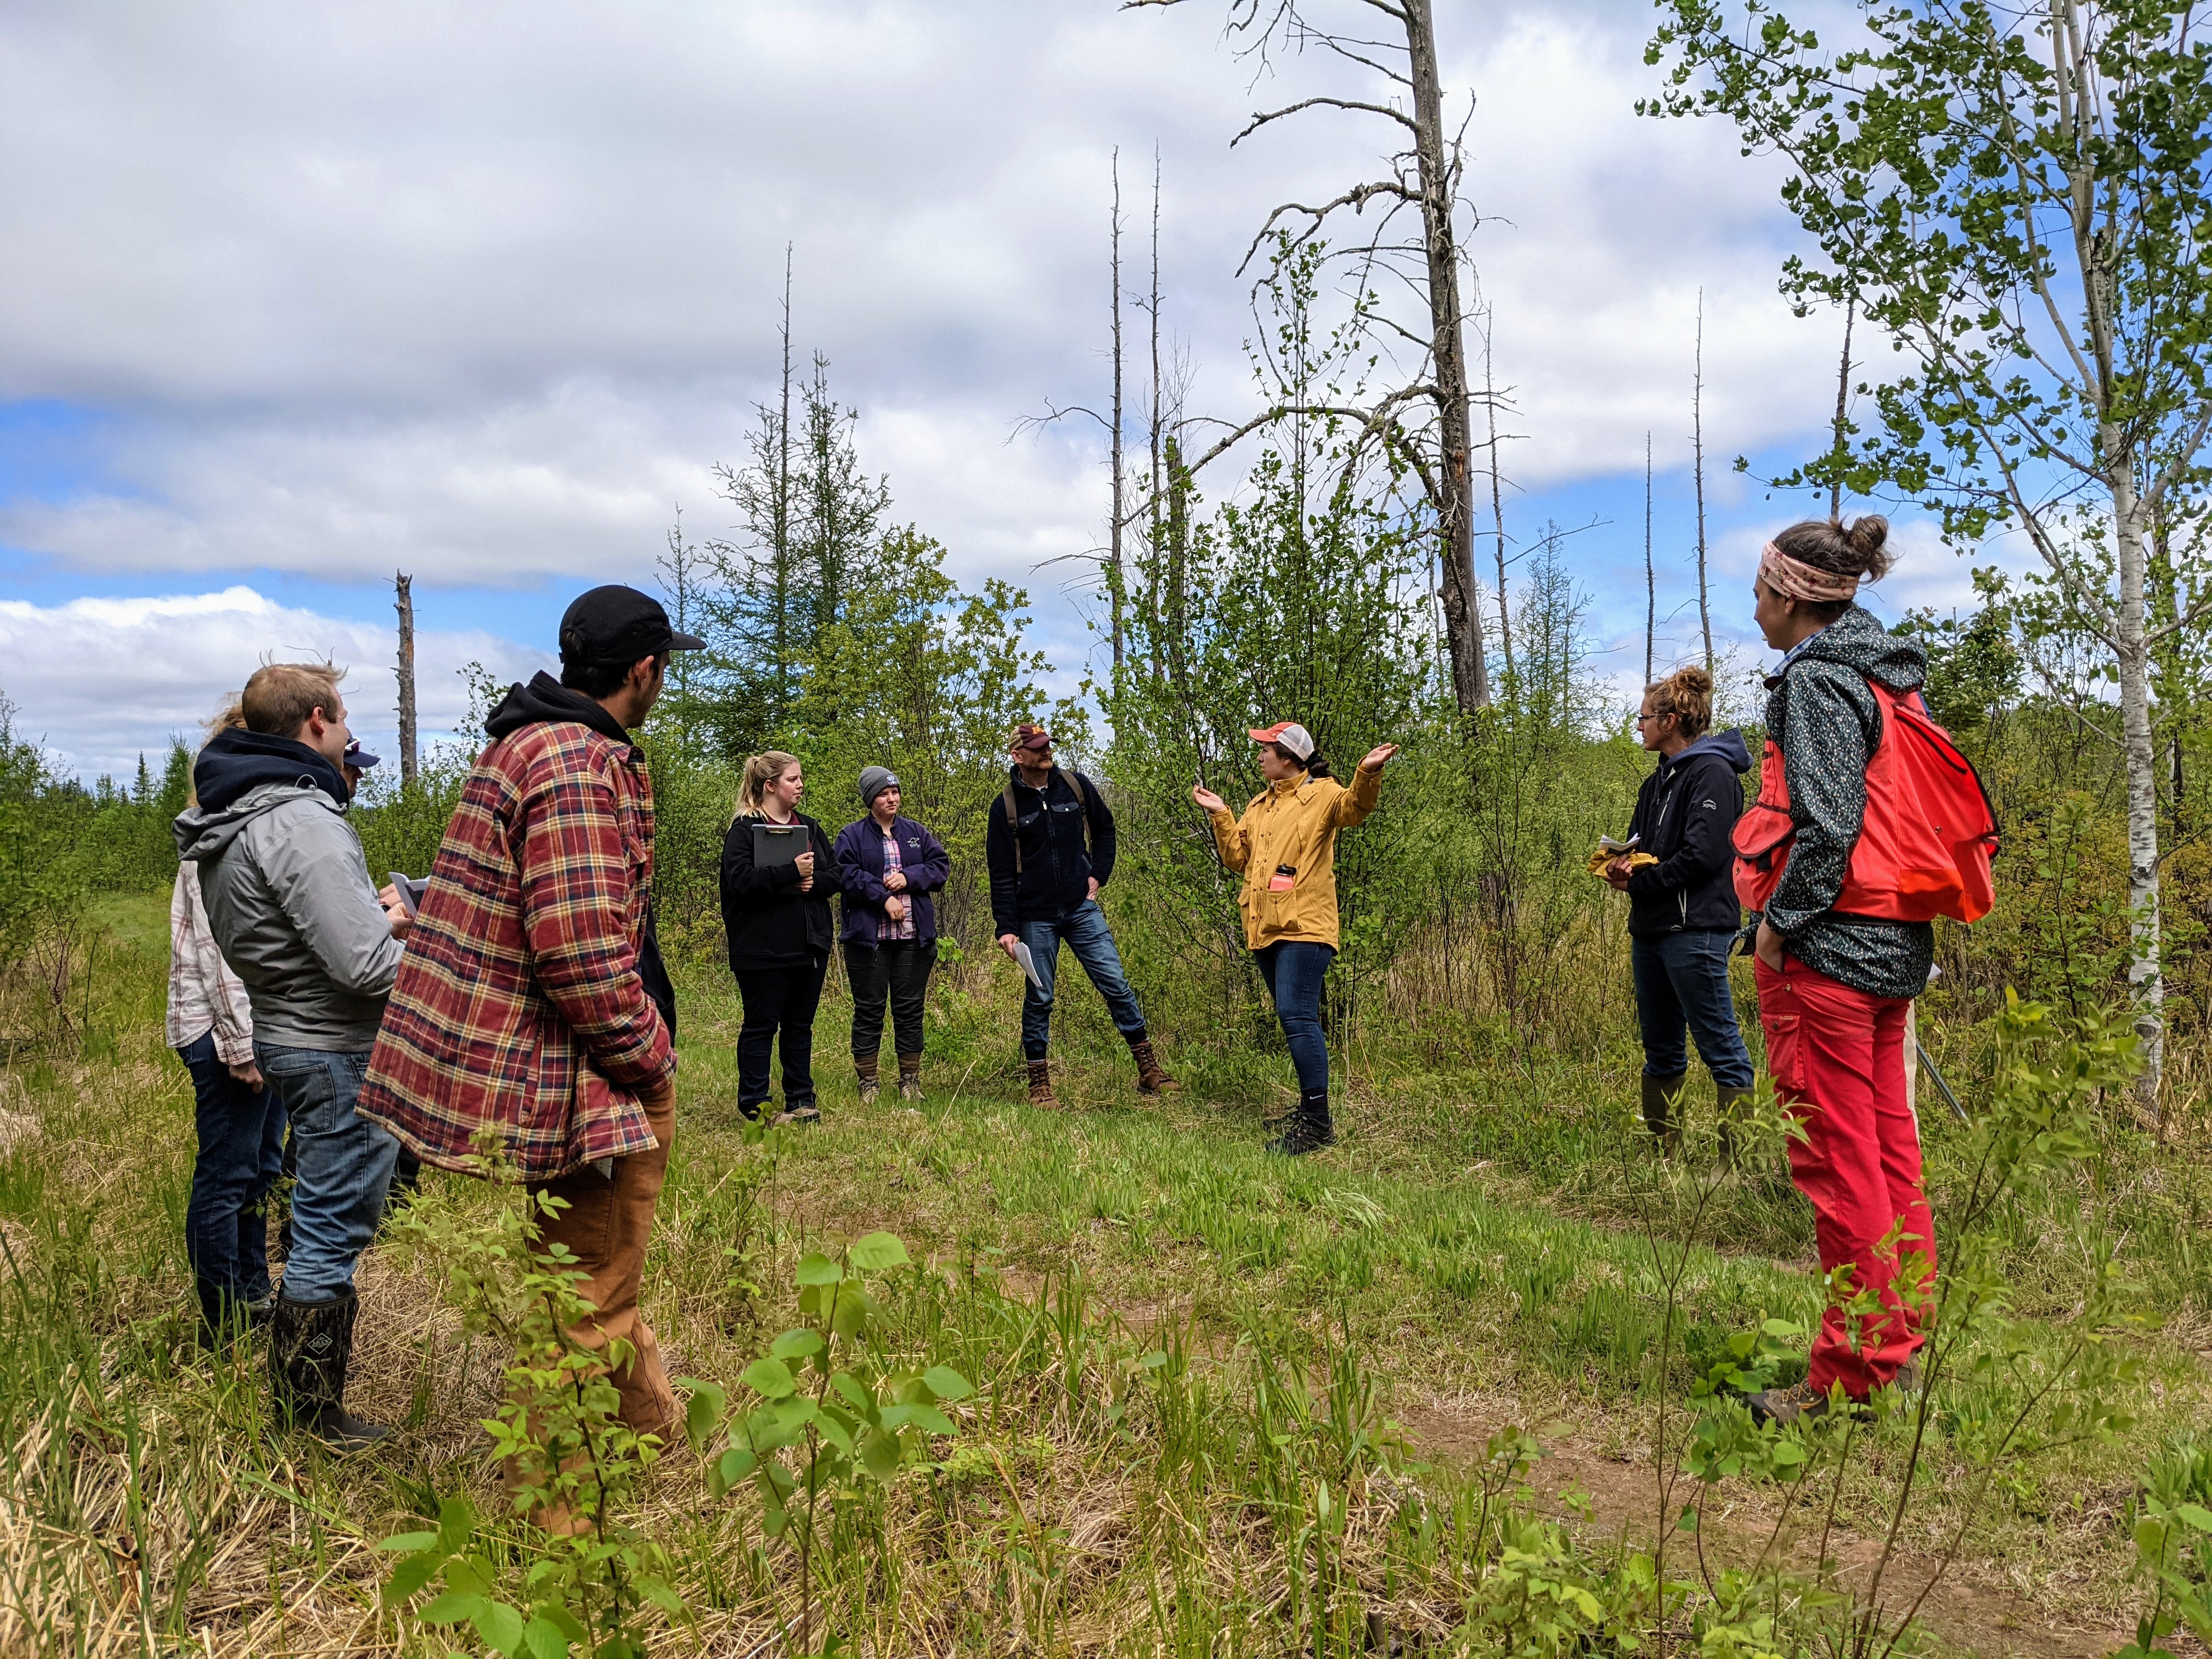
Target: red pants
1837	1057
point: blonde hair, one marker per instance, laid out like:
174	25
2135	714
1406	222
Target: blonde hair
281	695
762	770
1687	694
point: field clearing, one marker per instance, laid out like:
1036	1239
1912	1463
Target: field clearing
1177	1342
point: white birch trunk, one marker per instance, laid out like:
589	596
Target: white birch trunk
2146	980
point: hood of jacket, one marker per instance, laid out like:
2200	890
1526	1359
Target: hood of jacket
203	834
1728	745
544	700
1859	642
237	762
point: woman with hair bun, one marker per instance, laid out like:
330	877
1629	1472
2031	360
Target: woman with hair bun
1837	967
1682	915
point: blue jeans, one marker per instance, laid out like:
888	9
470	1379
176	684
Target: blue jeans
344	1167
1683	977
1292	968
1083	931
241	1148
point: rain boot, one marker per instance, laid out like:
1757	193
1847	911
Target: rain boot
1735	1107
309	1351
1662	1110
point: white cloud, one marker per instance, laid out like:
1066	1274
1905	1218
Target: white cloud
101	680
484	292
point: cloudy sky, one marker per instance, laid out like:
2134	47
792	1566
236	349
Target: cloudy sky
293	296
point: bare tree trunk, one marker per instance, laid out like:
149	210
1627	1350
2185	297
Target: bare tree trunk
1114	573
1650	580
1497	494
1178	532
2146	978
1843	408
782	599
1455	514
405	606
1698	440
1158	422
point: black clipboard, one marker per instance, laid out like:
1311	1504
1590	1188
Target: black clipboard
778	844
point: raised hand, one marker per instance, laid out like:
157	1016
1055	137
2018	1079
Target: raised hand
1379	756
1206	798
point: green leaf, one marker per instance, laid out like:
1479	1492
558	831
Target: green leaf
877	1253
771	1378
455	1522
454	1607
655	1591
946	1383
850	1389
553	1613
879	1455
2195	1517
408	1577
703	1410
930	1419
796	1344
814	1269
735	1465
406	1543
501	1627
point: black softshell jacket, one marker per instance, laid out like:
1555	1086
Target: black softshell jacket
1685	813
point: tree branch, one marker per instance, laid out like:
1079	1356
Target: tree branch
1385	110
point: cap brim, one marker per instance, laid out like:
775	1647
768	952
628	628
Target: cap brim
1269	735
684	642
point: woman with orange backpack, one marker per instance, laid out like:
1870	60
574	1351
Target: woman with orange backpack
1869	824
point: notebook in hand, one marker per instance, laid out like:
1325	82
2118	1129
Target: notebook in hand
777	844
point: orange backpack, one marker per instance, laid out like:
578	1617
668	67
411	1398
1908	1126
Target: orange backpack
1925	847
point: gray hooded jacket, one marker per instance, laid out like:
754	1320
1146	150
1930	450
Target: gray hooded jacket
291	904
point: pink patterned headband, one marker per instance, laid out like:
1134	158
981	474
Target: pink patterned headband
1800	581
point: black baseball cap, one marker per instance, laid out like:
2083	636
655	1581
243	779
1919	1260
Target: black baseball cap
618	624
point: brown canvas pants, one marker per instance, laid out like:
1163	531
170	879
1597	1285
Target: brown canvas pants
606	1225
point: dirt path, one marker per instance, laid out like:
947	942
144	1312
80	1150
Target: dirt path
1970	1610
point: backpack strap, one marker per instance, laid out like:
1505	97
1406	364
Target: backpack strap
1087	792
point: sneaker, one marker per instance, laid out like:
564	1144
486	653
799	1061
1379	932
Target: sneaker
1300	1138
806	1113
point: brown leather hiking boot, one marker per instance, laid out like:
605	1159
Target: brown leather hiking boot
909	1077
1153	1079
865	1065
1041	1094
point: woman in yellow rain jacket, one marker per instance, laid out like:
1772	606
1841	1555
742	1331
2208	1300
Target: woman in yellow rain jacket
1285	845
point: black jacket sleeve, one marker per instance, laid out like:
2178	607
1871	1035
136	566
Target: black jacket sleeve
1102	844
828	878
998	859
1706	803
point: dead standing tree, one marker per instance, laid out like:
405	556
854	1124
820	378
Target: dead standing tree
1426	423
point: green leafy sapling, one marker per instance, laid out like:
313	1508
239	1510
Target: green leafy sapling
834	1415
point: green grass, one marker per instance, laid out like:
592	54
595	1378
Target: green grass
1466	1260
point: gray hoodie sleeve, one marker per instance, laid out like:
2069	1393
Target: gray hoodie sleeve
313	862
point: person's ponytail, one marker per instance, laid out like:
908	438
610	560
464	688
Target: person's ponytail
1317	765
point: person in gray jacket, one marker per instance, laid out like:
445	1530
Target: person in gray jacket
296	914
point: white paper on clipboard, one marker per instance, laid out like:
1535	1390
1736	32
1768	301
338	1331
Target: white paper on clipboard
411	891
1029	963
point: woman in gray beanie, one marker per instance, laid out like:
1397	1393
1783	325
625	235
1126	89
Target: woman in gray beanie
887	868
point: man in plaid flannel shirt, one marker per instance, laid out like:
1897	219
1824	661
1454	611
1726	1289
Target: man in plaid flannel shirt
532	1010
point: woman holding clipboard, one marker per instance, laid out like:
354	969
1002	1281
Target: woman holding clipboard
777	877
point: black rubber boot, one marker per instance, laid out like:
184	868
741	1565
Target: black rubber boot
1735	1107
310	1348
1662	1109
1309	1130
